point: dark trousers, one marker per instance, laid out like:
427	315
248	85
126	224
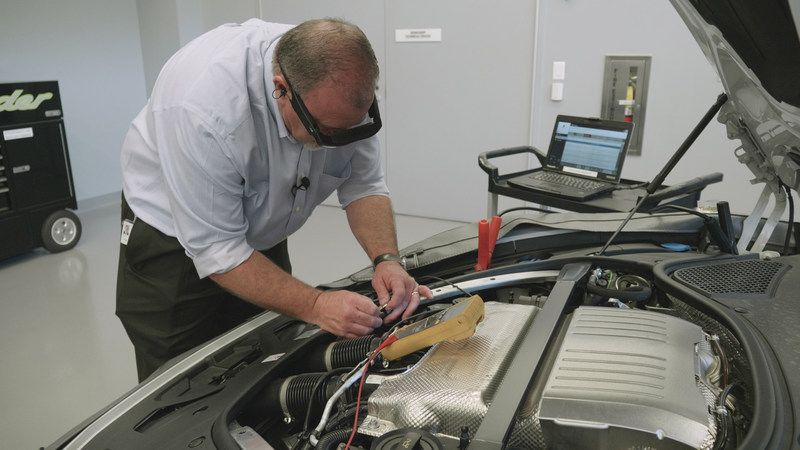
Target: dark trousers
165	307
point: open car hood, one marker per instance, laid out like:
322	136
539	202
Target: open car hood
755	49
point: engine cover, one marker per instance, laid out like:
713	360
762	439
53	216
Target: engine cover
621	378
626	378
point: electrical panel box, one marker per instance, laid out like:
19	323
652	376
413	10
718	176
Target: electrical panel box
625	94
35	174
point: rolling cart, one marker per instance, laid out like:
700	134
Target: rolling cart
36	185
624	199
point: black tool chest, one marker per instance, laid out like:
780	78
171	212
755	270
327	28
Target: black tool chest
36	185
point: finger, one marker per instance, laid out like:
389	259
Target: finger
367	313
412	303
425	291
371	319
384	311
359	324
349	328
381	292
400	294
356	331
400	291
392	317
397	310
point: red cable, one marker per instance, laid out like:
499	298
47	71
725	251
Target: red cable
383	345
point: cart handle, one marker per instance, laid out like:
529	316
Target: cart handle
491	170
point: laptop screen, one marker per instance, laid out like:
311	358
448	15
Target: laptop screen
586	147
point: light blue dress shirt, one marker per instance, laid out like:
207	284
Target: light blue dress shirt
209	160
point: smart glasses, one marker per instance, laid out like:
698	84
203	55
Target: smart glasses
325	138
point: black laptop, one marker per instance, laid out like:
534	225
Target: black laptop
584	159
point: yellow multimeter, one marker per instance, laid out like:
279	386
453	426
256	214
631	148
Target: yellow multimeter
453	324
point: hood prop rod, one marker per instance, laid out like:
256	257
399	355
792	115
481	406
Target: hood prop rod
662	175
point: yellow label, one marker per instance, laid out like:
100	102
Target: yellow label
18	101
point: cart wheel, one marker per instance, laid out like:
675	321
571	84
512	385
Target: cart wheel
61	231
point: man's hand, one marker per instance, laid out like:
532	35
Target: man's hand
261	282
372	222
346	313
390	277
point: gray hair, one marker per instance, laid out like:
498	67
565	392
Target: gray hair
326	48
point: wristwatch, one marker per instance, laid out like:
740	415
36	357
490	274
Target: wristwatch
388	257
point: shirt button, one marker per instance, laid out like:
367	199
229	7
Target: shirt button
298	209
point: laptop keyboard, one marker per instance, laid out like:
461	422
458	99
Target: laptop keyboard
566	180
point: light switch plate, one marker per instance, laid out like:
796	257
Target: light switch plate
559	70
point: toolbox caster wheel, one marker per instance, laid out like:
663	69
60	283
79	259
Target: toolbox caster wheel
61	231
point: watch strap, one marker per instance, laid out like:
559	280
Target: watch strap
388	257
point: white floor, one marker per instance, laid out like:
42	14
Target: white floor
64	353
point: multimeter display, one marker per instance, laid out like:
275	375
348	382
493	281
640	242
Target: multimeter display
453	324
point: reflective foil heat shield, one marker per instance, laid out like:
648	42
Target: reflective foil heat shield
453	385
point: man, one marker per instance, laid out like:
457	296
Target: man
226	160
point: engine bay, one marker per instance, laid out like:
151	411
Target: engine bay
580	357
643	349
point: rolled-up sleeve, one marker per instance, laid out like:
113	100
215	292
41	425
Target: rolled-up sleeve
367	176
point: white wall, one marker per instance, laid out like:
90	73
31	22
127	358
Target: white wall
449	101
92	48
442	102
160	36
106	55
167	25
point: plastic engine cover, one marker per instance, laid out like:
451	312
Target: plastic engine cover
626	378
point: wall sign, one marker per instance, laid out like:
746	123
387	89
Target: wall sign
418	35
